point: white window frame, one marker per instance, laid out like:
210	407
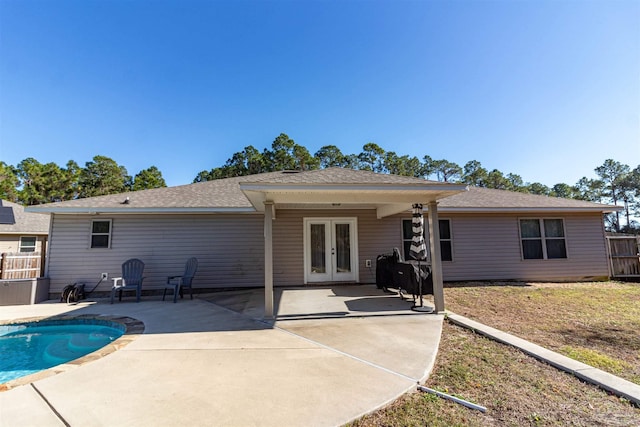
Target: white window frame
91	233
543	238
406	256
23	246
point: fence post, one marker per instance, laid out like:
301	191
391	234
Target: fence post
3	262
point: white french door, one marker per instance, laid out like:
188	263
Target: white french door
330	250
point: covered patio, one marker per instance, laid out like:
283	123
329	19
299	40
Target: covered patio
385	198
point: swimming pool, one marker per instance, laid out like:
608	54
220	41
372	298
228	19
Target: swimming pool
27	348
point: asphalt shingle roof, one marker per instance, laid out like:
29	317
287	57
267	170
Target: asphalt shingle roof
486	198
25	222
226	193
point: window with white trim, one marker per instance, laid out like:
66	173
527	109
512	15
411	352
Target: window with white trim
101	233
27	244
446	241
543	238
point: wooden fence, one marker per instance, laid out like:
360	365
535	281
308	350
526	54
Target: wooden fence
624	256
21	265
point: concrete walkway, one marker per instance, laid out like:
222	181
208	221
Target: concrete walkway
199	363
605	380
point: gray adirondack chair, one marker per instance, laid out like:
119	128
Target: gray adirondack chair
177	283
131	279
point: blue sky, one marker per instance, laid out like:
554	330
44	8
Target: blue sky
544	89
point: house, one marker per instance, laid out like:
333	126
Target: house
294	228
21	233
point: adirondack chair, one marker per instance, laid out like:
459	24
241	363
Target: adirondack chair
131	279
177	283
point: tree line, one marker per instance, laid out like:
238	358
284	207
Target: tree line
31	182
617	183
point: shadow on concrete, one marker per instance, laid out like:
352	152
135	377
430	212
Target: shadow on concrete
158	317
239	310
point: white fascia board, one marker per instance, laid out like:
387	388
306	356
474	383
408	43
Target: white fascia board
87	210
24	233
526	209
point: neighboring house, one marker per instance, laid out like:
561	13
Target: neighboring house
21	232
323	226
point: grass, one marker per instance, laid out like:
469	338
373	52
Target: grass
595	323
516	389
595	359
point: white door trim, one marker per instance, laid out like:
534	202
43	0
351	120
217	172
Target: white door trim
331	275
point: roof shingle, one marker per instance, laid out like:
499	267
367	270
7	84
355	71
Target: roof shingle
226	193
25	222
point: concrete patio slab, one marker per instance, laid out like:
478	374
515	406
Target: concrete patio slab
353	320
199	363
337	301
406	337
25	407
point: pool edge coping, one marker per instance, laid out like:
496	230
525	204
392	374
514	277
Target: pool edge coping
133	328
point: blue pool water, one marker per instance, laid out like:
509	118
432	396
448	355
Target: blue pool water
32	347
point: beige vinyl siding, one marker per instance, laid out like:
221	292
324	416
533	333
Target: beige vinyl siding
11	242
376	237
487	247
288	251
229	248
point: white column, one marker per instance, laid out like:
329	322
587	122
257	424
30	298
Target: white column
436	259
268	260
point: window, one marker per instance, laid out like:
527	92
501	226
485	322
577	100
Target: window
101	233
27	244
543	239
446	249
446	242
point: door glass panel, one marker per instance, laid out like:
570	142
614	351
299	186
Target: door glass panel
318	249
343	248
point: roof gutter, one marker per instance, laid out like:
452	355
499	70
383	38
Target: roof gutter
26	233
95	210
245	186
607	209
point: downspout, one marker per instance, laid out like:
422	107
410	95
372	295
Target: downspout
48	241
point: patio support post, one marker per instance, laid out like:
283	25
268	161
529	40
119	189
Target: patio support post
436	259
268	259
